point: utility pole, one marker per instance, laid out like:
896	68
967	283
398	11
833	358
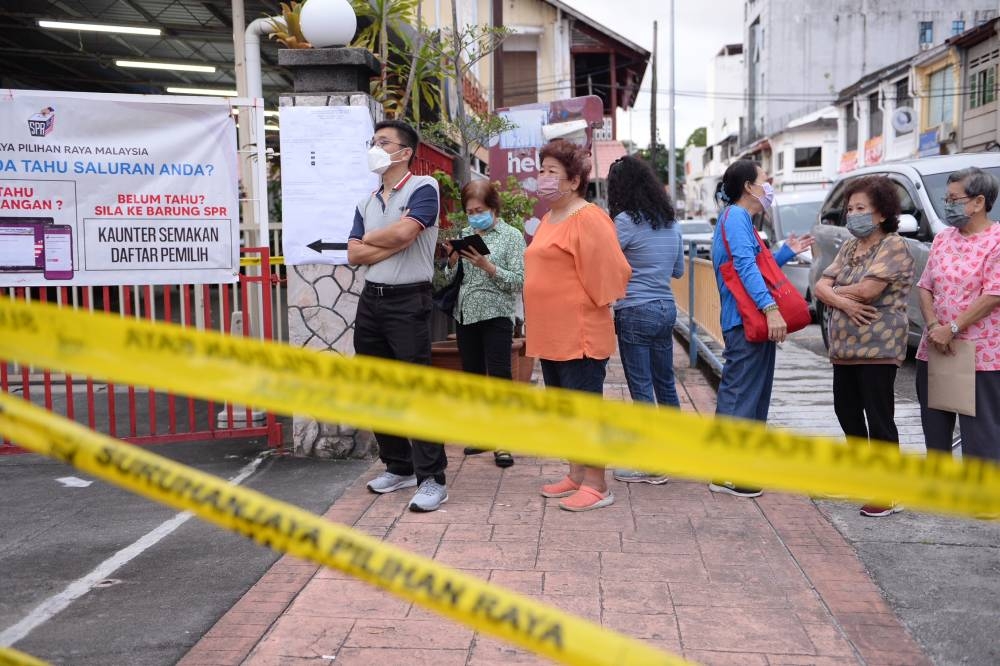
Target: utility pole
497	58
672	166
593	151
652	106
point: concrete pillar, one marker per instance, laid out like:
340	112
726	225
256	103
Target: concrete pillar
323	299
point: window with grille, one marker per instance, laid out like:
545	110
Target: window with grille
874	116
926	33
957	27
983	87
939	98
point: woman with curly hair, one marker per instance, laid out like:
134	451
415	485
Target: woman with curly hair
644	319
866	288
574	271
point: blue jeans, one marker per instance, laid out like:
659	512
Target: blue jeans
646	345
745	387
579	374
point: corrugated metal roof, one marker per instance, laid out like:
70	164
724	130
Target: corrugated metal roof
196	31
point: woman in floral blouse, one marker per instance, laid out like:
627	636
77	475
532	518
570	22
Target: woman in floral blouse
866	288
488	295
960	300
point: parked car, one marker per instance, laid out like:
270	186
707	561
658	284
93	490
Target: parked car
922	186
795	212
699	231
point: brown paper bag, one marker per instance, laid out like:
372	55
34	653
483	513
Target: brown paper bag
951	380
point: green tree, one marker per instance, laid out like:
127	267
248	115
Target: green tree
461	48
385	15
698	138
661	165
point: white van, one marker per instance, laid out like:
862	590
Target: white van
922	184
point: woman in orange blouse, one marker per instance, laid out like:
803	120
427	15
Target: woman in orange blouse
574	270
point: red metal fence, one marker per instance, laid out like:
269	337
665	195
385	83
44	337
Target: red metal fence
141	415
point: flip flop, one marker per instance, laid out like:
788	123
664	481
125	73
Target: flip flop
587	499
503	458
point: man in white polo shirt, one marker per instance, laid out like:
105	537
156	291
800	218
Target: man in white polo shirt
395	233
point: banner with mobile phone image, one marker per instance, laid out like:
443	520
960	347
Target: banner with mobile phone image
117	189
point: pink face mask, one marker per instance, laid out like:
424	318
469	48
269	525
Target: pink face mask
548	188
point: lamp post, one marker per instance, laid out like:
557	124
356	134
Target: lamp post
322	298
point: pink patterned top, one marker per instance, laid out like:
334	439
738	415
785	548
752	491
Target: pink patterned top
959	270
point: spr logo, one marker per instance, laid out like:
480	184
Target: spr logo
42	123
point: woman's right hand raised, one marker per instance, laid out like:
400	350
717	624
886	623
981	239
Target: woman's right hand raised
777	329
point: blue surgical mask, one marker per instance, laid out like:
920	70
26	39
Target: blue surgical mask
955	215
481	221
861	225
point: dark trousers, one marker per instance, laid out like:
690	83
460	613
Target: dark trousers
980	433
578	374
485	347
864	399
398	326
747	376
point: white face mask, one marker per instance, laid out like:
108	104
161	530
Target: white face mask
379	161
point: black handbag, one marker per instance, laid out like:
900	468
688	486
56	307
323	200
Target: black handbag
446	297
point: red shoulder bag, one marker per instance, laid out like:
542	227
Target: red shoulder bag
793	308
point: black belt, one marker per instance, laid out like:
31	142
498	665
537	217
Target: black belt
396	289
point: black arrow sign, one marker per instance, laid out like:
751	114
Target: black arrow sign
319	246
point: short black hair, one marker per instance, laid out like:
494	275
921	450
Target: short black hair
883	195
633	188
408	136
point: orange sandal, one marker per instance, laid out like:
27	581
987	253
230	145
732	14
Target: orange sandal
561	488
587	498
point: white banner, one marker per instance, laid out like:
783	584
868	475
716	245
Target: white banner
116	189
324	173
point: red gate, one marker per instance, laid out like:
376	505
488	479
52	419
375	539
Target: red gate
137	414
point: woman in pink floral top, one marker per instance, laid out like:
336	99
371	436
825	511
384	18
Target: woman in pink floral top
960	300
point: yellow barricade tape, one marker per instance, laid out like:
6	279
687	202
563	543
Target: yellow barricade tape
287	528
12	657
256	261
438	405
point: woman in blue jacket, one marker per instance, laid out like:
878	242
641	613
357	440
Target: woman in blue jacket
745	388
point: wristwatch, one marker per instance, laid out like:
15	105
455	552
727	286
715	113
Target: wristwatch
954	328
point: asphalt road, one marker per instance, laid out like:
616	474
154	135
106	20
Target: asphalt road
941	575
154	607
906	378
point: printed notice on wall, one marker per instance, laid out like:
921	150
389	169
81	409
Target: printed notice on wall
116	189
324	174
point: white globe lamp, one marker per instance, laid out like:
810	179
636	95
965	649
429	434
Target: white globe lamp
328	22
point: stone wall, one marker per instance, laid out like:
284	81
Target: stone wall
322	303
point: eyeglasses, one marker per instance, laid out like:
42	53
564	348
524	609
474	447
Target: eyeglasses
949	200
382	143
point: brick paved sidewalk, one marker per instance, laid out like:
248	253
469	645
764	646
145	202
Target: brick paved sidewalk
718	579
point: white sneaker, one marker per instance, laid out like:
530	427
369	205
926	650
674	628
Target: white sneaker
429	497
634	476
387	482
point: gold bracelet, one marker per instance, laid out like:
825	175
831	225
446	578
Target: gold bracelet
770	308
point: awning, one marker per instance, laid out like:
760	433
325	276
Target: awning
602	155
